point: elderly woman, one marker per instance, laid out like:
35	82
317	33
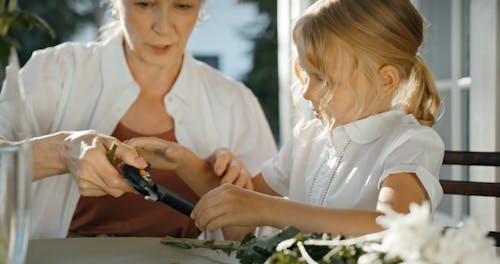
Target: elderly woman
138	81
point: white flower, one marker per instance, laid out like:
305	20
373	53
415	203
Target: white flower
470	239
408	235
414	239
370	258
417	240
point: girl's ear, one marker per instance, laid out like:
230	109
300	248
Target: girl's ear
389	78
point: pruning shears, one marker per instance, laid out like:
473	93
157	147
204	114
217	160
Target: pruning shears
140	180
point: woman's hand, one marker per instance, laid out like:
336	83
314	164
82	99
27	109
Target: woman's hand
230	167
84	155
230	205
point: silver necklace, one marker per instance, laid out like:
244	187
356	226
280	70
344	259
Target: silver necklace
335	169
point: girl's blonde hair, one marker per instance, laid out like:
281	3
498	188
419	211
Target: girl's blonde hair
345	38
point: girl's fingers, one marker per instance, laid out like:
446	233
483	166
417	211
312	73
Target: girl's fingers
206	213
159	153
232	172
242	179
125	153
151	144
222	161
206	200
249	185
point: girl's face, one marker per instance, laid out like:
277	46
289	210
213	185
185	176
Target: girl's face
348	98
157	31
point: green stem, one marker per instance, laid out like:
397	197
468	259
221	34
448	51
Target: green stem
224	245
12	6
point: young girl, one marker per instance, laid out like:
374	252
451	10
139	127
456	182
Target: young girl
370	146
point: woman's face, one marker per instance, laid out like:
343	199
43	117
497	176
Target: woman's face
157	31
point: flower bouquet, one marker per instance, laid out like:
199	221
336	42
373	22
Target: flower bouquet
408	238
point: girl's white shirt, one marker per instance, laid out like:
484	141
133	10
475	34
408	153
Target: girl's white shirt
76	86
375	147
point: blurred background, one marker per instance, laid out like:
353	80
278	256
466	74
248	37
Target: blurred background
249	40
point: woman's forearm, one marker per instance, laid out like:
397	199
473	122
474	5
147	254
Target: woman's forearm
46	154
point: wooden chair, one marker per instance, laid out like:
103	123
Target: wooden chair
470	188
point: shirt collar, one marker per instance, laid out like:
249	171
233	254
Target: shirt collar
115	70
185	84
369	129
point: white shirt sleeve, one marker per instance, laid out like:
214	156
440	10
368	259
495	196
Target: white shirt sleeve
41	78
276	171
420	153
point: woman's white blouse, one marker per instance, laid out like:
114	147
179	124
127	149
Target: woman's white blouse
77	86
345	168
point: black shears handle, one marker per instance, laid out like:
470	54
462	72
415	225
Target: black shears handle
154	192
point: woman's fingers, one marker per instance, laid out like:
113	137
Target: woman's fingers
87	157
107	180
105	174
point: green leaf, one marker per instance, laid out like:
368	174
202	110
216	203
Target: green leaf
250	250
258	250
27	21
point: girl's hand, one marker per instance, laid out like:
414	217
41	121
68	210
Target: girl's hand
84	154
162	154
165	155
230	205
230	167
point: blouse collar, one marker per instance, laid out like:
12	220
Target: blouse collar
368	129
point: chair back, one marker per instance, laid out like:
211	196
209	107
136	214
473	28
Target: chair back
470	188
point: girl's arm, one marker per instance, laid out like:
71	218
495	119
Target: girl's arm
232	206
201	175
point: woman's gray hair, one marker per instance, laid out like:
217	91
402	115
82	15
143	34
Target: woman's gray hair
110	29
111	5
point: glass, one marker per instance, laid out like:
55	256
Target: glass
15	171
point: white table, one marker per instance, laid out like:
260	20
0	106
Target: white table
120	250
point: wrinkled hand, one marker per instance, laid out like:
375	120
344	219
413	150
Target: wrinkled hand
230	167
230	205
84	155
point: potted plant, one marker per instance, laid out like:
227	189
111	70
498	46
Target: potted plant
12	19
